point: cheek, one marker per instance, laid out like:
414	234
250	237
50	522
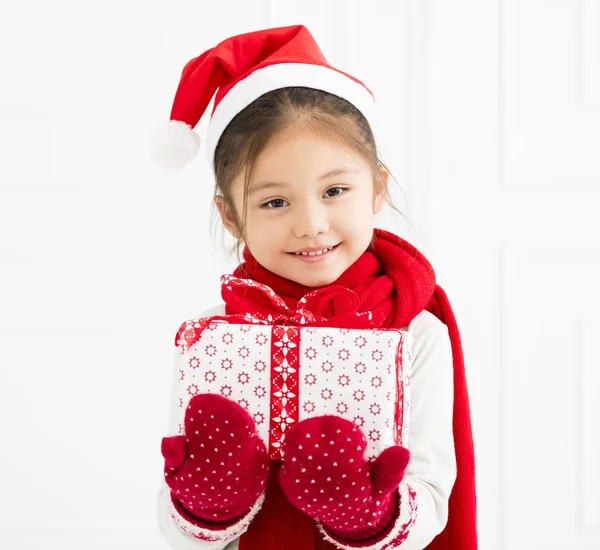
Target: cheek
360	211
262	230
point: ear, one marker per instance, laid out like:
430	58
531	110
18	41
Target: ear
227	216
381	191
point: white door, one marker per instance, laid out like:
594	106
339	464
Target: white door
516	175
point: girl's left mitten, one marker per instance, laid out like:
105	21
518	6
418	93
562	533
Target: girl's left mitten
325	475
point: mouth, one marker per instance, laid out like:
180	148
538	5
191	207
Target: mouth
319	252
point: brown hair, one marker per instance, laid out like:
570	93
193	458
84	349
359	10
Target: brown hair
251	130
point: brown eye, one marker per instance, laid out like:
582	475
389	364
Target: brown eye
275	203
335	189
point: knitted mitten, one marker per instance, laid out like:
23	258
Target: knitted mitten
218	469
325	475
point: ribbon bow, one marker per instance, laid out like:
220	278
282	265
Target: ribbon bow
270	308
262	305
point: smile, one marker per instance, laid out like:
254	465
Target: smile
316	252
314	255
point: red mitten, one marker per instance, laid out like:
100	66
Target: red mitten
325	475
218	469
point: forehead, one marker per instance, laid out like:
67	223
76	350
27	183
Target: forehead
306	152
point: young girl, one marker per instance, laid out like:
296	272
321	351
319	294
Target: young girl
298	180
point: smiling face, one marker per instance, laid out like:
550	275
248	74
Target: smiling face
308	195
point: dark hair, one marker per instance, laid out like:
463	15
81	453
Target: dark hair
252	129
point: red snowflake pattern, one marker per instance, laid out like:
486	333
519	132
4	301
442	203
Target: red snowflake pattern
194	362
192	389
244	328
259	418
310	379
344	330
344	354
387	423
261	339
310	353
226	364
210	350
374	435
243	352
227	338
243	403
309	407
360	341
326	394
375	409
210	376
226	391
388	396
326	366
360	367
243	378
377	355
260	391
342	408
359	395
376	381
359	421
343	380
180	403
327	341
181	374
260	365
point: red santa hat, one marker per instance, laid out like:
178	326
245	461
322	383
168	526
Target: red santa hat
240	69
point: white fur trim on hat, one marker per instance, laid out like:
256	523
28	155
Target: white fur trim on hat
283	75
174	144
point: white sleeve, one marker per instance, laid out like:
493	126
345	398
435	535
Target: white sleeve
431	472
172	526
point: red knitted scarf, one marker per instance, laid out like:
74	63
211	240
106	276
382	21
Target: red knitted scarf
394	281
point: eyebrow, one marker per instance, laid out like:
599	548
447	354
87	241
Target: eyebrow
278	185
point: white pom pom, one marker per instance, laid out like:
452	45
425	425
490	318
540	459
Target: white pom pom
174	144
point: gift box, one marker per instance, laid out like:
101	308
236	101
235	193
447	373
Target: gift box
284	374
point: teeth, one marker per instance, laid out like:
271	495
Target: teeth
316	253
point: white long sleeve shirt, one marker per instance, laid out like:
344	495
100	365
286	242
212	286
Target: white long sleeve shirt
431	472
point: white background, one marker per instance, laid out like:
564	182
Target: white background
492	112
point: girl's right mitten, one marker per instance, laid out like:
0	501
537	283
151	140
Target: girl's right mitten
218	470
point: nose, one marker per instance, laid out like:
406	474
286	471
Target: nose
311	218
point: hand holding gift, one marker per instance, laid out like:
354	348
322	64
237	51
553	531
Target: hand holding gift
218	469
325	475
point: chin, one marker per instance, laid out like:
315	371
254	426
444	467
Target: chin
316	281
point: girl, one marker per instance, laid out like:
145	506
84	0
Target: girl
298	180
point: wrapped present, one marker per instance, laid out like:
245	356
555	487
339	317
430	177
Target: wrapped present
283	374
